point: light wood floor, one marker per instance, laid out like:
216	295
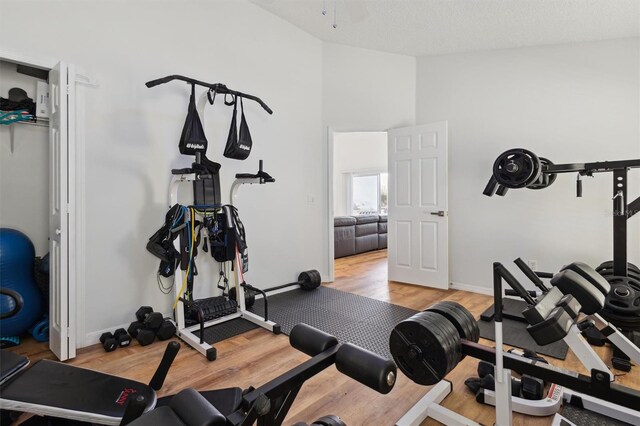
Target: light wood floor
258	356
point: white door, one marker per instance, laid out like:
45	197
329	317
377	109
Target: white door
418	246
62	288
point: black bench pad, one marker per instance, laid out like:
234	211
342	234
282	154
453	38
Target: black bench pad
57	389
10	364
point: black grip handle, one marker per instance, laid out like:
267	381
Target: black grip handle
511	292
134	409
368	368
310	340
530	274
491	187
579	187
502	190
159	81
515	284
163	369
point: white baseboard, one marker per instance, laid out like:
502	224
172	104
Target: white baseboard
472	288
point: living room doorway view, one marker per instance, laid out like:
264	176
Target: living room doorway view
360	204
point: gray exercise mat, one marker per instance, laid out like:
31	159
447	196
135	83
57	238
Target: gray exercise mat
515	334
351	318
225	330
583	417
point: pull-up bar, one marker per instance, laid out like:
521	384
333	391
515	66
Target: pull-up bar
216	87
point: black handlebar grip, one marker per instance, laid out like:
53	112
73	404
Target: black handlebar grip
579	187
310	340
515	284
158	81
502	190
530	274
163	369
368	368
491	187
134	409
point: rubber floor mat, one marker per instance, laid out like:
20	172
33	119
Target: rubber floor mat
351	318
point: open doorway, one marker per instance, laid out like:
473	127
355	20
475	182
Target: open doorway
359	193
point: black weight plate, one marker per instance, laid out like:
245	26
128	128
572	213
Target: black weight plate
330	420
422	347
608	265
546	179
461	318
517	168
453	340
443	326
624	297
309	280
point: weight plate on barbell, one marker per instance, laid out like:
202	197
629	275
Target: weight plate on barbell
460	317
546	179
624	297
426	347
517	168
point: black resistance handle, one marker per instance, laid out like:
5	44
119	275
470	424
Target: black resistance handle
368	368
163	369
535	279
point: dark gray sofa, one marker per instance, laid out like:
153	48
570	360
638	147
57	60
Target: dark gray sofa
358	234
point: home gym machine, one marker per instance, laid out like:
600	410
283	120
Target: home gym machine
224	232
430	344
521	168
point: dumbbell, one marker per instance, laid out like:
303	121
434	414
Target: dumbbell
109	342
149	318
143	334
122	337
166	330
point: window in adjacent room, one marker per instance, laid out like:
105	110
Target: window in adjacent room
369	193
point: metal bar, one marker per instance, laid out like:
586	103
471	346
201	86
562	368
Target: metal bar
598	385
595	167
633	207
217	87
620	223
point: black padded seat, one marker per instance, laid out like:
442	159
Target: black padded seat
187	408
590	274
55	389
11	364
227	400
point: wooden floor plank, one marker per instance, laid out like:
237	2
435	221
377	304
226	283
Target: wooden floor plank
258	356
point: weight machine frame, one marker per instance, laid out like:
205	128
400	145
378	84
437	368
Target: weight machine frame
622	211
597	386
186	333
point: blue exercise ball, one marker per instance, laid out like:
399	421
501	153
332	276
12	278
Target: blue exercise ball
21	302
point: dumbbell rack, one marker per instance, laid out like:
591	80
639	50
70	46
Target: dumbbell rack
186	333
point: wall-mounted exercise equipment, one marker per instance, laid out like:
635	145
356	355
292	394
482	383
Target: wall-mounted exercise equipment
520	168
207	225
21	303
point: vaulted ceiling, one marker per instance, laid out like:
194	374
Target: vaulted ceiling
427	27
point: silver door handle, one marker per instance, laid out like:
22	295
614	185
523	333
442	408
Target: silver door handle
58	232
438	213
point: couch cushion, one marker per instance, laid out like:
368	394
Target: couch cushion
366	219
382	227
366	243
366	229
382	241
344	241
383	218
344	221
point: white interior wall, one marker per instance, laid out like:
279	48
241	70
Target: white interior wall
355	152
132	132
569	103
24	174
362	90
